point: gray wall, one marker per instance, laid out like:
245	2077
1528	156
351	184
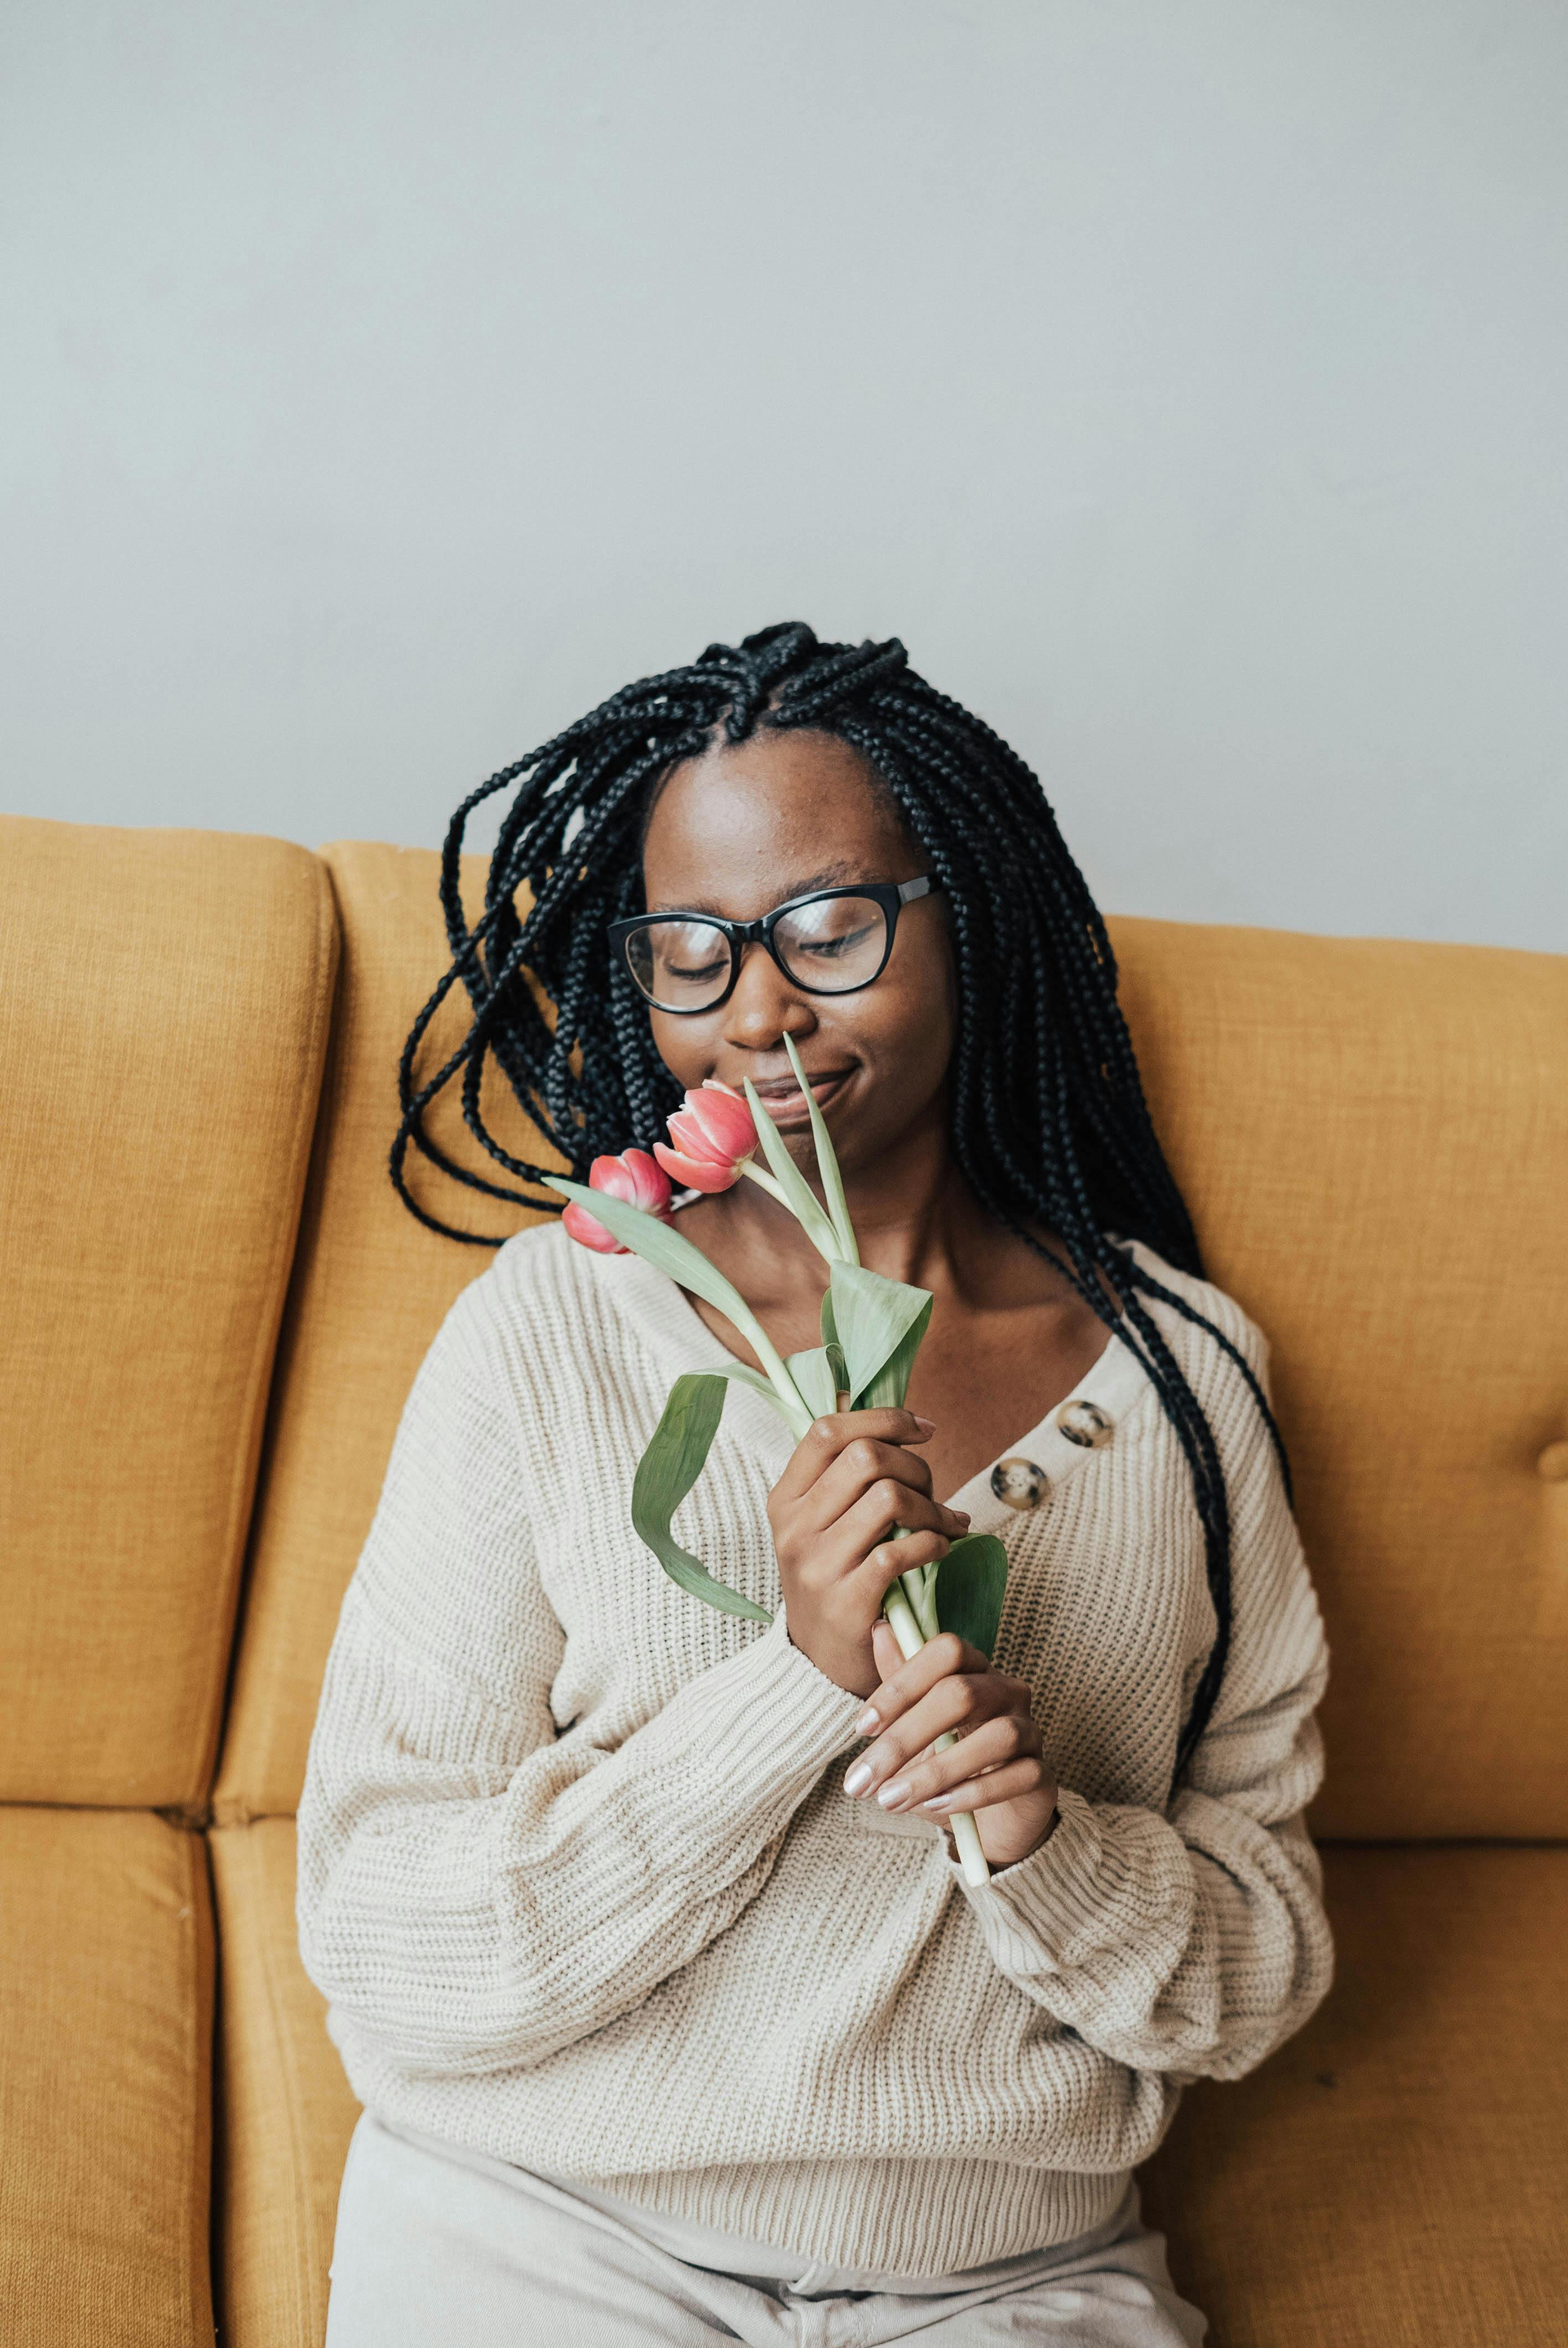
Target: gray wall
1185	383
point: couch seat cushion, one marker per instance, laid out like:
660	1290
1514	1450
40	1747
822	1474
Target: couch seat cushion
1393	2177
285	2110
105	1985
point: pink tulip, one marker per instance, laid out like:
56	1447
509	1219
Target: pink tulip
711	1135
633	1177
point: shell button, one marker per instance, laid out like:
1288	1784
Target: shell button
1020	1484
1085	1423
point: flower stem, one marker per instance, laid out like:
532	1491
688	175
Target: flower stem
911	1639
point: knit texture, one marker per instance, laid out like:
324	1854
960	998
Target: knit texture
578	1877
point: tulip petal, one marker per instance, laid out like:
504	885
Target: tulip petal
697	1174
580	1226
652	1183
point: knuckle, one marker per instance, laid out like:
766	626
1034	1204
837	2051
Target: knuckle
862	1456
947	1651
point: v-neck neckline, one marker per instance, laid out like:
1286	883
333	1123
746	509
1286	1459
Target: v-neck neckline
1115	1382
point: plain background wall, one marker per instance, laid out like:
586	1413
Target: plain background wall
1185	384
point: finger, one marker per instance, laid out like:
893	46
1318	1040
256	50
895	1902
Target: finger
1009	1784
983	1756
881	1566
856	1470
887	1504
960	1705
888	1655
909	1682
825	1437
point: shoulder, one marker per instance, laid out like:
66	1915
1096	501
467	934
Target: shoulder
1222	1352
1198	1318
542	1330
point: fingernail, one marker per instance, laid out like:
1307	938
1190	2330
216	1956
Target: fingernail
937	1802
926	1425
868	1723
891	1796
859	1779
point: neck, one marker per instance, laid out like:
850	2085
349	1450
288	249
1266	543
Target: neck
916	1219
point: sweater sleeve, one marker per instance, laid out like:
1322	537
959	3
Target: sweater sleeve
475	1891
1193	1942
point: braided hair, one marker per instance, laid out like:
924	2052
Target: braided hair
1049	1122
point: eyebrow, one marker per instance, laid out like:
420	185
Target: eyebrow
830	876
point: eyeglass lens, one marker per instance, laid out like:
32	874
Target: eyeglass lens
829	946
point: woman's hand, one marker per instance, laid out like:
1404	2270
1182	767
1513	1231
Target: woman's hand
995	1769
848	1484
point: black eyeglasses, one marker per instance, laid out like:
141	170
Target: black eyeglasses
834	941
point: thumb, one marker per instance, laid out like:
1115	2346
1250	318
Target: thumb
886	1653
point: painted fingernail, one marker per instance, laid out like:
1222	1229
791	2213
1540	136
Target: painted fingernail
859	1779
868	1723
937	1802
926	1425
892	1796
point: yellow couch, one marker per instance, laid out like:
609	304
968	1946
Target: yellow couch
213	1308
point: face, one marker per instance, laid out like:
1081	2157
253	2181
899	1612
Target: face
748	827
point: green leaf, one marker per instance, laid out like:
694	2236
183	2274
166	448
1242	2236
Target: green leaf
666	1473
798	1195
741	1373
813	1377
891	1384
873	1316
827	1161
972	1582
654	1240
832	1349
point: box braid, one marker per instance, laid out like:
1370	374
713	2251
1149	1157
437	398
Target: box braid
1049	1124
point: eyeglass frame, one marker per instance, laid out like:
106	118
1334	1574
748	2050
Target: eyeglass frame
892	896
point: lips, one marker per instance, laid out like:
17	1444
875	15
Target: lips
781	1095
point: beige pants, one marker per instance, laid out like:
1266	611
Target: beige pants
438	2247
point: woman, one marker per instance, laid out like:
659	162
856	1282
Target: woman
644	1942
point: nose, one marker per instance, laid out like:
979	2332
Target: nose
765	1007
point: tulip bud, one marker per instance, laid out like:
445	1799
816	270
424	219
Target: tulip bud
633	1177
711	1134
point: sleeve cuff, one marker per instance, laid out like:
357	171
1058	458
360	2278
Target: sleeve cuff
1034	1913
764	1725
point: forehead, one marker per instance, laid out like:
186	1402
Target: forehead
754	823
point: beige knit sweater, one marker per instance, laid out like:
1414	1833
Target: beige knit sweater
579	1881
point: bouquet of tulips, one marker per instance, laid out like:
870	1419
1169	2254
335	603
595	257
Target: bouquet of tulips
871	1331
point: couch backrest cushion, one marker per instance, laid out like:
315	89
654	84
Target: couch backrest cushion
165	1001
1373	1141
1373	1138
371	1287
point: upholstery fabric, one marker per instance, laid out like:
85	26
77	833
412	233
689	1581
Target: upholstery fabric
106	1988
371	1288
1373	1138
1393	2177
164	1004
287	2111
